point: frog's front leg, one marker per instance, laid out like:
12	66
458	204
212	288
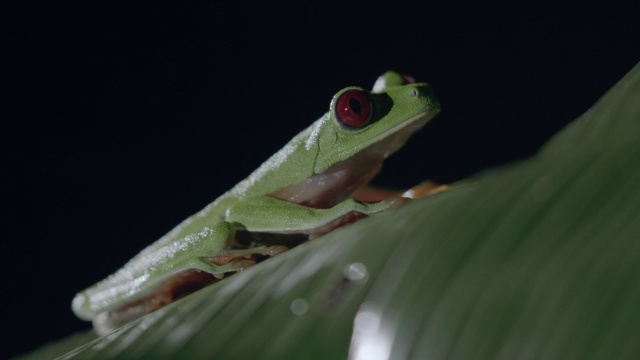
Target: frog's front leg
271	215
424	189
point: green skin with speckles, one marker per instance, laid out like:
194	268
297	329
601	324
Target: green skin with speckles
301	189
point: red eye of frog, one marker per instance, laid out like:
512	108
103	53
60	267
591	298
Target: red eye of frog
353	109
408	78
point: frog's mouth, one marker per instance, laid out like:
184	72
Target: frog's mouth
341	180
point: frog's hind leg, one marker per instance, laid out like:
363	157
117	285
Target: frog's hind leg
226	261
240	259
209	251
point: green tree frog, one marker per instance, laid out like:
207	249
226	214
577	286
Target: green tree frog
301	192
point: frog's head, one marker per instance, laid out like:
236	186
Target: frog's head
346	147
373	124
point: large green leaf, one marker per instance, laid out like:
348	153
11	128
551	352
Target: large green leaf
538	259
60	347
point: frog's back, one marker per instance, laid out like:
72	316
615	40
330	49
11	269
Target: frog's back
291	164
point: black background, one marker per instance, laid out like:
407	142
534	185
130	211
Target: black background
125	119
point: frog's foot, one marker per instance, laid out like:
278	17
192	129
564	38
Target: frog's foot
424	189
374	194
240	259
